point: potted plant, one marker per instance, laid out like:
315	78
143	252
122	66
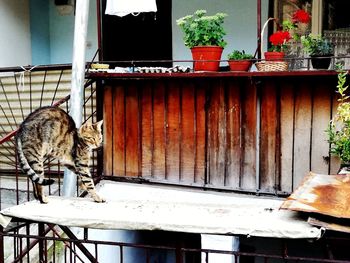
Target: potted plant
239	60
204	35
319	49
338	131
278	41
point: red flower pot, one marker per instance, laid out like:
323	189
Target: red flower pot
210	53
274	56
240	65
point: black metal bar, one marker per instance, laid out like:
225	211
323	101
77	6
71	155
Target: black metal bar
258	27
28	241
86	233
96	251
2	244
42	89
58	84
78	243
30	92
121	254
41	233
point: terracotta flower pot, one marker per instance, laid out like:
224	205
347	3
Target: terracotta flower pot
274	56
210	53
240	65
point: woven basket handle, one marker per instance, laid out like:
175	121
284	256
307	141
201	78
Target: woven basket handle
262	33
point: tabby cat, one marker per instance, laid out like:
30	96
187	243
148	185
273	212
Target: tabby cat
51	132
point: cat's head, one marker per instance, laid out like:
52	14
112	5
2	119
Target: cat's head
91	134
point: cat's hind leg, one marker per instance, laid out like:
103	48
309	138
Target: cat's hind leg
41	195
35	191
38	188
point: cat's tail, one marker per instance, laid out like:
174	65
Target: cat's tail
28	169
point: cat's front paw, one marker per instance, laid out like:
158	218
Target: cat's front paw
99	199
43	199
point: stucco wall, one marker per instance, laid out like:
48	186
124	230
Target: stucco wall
62	35
40	31
240	23
15	46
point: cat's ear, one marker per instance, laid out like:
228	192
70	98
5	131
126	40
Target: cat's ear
98	125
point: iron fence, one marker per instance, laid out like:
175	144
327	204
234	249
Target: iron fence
51	243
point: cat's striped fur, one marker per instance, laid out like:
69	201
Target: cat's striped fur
51	132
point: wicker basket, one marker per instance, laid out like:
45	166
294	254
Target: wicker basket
270	65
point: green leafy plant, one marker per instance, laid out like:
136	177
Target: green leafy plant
202	30
316	45
239	55
338	130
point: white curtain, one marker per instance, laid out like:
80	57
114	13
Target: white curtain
125	7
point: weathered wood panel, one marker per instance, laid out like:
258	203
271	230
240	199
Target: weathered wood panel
108	130
248	137
234	150
118	143
187	144
205	131
159	130
287	136
302	133
321	114
269	134
217	136
146	136
173	144
131	131
200	139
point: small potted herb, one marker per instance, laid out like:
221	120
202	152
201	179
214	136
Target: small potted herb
239	60
320	50
204	35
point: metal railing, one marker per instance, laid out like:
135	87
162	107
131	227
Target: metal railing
59	244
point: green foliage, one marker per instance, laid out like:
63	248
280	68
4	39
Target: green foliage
239	55
202	30
317	45
289	26
338	130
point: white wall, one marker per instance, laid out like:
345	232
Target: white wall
62	35
15	47
240	24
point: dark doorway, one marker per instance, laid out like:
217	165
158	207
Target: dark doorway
336	15
147	36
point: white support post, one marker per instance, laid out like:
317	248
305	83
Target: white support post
78	77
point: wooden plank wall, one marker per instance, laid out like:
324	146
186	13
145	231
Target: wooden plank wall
230	133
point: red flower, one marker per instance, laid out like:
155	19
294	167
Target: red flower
279	38
301	16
